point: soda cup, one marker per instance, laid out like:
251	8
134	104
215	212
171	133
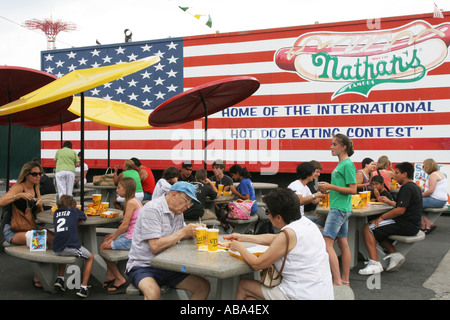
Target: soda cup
363	196
220	188
96	199
200	233
105	206
213	239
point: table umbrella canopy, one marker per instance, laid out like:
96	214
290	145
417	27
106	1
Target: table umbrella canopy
53	120
16	82
213	96
112	113
76	82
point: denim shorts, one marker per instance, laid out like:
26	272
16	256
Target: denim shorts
429	202
8	233
336	225
121	243
162	277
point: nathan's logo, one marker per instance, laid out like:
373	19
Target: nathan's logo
364	60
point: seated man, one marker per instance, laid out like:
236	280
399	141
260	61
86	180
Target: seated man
219	177
160	225
186	172
203	188
404	220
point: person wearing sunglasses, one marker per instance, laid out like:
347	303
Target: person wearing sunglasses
24	194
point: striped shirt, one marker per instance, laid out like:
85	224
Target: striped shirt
154	221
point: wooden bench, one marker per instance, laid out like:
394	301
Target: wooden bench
402	244
44	263
167	293
434	213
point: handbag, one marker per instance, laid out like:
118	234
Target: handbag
106	179
22	221
271	277
240	209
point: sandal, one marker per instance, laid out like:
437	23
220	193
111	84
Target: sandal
428	231
117	289
346	283
107	284
37	284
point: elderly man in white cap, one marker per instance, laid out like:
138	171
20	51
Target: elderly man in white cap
160	225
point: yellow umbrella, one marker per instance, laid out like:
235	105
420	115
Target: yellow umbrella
111	113
75	82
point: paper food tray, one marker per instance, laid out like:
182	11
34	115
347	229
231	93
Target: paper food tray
256	250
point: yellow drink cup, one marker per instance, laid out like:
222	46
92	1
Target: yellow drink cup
105	206
325	199
200	233
220	188
363	196
96	199
213	239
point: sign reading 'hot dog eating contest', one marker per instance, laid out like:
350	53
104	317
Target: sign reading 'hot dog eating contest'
386	87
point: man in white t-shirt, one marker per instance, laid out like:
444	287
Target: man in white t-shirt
305	174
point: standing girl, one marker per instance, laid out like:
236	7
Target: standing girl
121	239
343	185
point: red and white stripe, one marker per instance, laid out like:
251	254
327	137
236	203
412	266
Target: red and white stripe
247	140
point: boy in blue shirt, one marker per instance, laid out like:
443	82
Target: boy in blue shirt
66	242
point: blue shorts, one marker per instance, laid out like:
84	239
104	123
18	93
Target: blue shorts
121	243
162	277
8	233
429	202
336	225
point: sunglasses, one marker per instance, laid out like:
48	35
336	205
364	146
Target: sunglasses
35	174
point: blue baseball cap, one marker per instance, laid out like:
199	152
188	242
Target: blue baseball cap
185	187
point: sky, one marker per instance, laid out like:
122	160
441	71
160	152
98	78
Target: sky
105	20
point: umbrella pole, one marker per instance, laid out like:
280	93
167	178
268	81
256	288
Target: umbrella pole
8	152
82	153
206	131
61	129
109	145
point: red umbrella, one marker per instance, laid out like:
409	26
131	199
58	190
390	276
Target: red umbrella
202	101
16	82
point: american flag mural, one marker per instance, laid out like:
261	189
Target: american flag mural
387	88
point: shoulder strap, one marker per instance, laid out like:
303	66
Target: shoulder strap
285	255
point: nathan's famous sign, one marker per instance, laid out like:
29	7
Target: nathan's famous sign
363	60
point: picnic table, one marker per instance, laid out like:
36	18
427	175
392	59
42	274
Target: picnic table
88	237
184	257
259	187
108	193
356	223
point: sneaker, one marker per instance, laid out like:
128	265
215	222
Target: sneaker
396	260
83	292
371	268
59	284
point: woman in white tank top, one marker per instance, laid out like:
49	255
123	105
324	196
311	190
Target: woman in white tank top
306	273
435	194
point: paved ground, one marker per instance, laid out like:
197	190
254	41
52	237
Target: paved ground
424	276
